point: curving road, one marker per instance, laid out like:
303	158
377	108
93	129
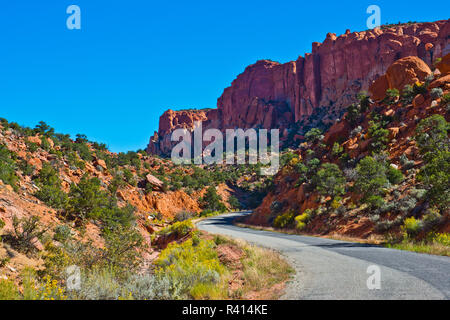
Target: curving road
332	269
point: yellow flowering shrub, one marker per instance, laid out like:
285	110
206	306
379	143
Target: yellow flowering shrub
190	267
302	219
442	238
51	290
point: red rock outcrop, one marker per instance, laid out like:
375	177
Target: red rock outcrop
405	71
269	94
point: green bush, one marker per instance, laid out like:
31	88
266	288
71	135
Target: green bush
8	167
371	178
50	190
408	94
25	233
179	228
234	202
394	176
330	180
212	201
432	135
62	233
392	95
379	136
435	176
87	199
314	135
412	226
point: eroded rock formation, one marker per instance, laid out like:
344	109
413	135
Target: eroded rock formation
269	94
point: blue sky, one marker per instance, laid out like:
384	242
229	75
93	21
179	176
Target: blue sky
132	59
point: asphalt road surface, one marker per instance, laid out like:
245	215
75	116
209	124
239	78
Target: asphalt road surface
332	269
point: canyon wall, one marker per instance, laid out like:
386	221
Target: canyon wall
273	95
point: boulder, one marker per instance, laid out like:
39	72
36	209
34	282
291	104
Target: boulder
406	71
444	65
154	182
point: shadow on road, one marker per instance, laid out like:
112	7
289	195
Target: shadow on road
304	241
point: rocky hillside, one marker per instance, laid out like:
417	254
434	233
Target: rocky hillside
53	188
314	90
381	172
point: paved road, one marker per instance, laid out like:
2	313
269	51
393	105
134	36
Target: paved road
331	269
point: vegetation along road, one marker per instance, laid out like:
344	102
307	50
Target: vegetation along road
332	269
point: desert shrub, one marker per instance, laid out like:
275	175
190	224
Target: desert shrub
446	98
26	168
121	248
408	94
354	113
287	158
432	218
394	175
44	129
234	202
406	204
436	93
100	284
420	88
50	187
435	176
129	177
284	220
355	131
8	167
8	290
25	233
86	199
329	180
419	194
314	135
142	286
180	228
212	201
392	95
116	183
385	225
412	227
379	136
364	101
302	219
371	178
337	149
405	162
189	267
432	135
374	201
275	207
442	238
183	215
83	150
62	233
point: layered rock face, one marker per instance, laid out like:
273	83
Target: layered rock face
273	95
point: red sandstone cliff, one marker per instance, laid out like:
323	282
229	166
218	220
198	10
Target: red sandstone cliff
269	94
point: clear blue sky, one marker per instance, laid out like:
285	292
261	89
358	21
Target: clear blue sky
132	60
